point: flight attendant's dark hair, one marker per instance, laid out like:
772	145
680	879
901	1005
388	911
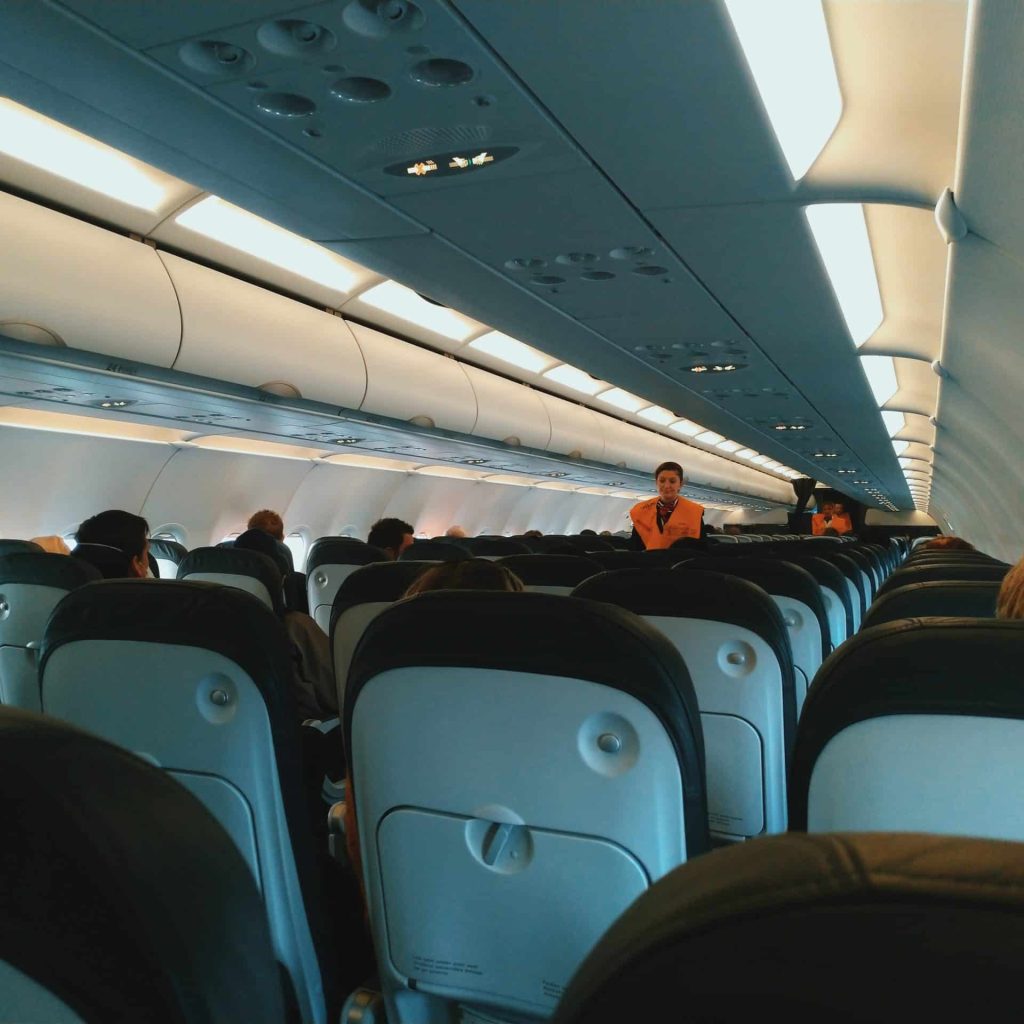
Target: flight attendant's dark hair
674	467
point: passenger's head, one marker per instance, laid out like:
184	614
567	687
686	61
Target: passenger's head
52	544
828	508
1010	602
391	535
733	529
533	533
455	531
838	509
947	544
261	541
269	522
668	478
469	574
122	532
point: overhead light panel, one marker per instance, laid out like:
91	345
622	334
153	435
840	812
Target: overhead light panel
513	352
881	374
213	218
53	147
575	379
404	303
687	427
621	399
797	81
709	437
841	234
656	414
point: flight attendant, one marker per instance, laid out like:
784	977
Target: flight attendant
832	516
659	522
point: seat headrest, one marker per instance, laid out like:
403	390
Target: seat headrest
10	547
111	562
343	551
923	666
815	927
976	598
549	570
926	573
773	575
619	559
482	546
121	894
434	551
566	637
377	581
261	541
236	562
47	570
170	550
227	621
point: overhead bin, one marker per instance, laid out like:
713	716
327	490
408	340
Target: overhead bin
235	331
411	383
65	282
575	430
507	411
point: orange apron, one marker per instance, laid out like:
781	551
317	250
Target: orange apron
684	522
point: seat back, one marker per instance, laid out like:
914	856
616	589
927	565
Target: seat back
798	597
969	598
572	776
361	597
916	725
494	547
736	648
168	555
32	583
330	562
855	584
551	574
123	899
434	551
196	678
251	571
834	590
823	928
909	575
13	547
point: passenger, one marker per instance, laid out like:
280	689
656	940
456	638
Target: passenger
116	543
470	574
732	529
947	544
313	680
52	544
588	533
533	533
391	535
659	522
455	531
1010	602
606	533
269	522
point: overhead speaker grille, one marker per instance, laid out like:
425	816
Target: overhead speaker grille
418	141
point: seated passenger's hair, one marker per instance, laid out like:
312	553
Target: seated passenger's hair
388	533
261	541
1010	602
52	544
947	544
455	531
469	574
671	467
268	521
533	533
115	529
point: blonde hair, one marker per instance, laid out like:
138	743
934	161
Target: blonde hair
53	544
1010	602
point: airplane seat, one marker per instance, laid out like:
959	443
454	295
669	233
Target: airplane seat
123	898
330	562
875	563
952	558
915	725
736	646
168	555
551	574
361	597
587	543
967	598
723	538
494	547
846	928
571	777
294	592
618	543
31	585
798	596
855	585
13	547
111	563
251	571
869	586
908	575
834	590
434	551
196	678
625	559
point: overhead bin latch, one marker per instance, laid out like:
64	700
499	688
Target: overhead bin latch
950	220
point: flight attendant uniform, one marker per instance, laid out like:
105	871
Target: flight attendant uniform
820	523
659	526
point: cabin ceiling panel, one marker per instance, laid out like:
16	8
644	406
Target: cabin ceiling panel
918	387
918	428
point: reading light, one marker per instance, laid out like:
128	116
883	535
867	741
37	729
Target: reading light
508	350
213	218
53	147
709	437
570	377
394	298
841	234
656	414
621	399
797	81
687	427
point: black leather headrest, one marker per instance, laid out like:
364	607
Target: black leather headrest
434	551
10	547
170	550
927	573
483	546
343	551
237	562
934	666
46	570
846	565
112	563
121	894
974	598
259	540
846	928
621	559
548	635
544	570
775	577
827	575
697	594
378	581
